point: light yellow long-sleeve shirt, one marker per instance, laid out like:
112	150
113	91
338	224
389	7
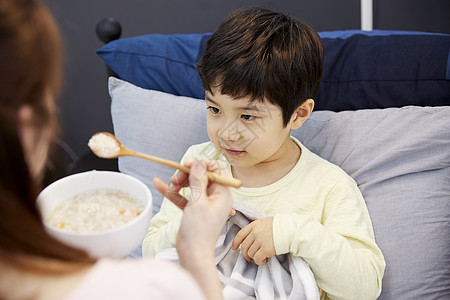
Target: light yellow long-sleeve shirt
319	214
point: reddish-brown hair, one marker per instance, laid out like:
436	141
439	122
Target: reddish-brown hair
30	71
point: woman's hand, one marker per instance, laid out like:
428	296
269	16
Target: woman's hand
207	210
204	216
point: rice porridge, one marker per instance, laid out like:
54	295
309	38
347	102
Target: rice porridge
94	211
104	145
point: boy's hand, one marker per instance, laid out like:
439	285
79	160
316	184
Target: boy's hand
256	240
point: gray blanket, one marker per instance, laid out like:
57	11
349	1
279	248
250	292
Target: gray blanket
282	277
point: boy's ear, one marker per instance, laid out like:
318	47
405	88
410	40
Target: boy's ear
302	114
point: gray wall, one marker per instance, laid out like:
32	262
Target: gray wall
85	103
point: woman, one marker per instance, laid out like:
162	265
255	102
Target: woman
33	265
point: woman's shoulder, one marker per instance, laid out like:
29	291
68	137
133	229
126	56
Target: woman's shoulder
133	279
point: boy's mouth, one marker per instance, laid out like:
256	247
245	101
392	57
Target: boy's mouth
233	152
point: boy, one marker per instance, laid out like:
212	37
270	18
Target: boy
261	71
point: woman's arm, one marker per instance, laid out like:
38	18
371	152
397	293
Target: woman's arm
204	216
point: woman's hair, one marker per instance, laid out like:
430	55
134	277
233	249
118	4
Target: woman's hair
262	54
30	72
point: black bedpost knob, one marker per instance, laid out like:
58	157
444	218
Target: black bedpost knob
108	29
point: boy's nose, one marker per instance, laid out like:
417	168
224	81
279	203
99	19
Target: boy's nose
230	133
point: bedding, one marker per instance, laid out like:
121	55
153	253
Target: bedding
398	156
282	277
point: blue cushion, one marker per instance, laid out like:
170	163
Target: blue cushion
158	62
343	34
376	69
383	69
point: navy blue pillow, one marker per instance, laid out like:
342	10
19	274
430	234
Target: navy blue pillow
381	69
159	62
375	69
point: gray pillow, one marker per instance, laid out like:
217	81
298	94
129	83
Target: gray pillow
400	158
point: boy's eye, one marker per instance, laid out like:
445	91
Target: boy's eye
247	117
214	110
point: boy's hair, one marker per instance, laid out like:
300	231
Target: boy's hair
263	54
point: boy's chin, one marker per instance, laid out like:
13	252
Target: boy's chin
238	163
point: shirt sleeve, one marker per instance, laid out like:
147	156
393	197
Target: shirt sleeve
164	225
163	229
340	248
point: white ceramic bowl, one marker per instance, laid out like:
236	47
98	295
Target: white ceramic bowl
114	243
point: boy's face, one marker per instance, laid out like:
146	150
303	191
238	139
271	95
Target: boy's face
246	133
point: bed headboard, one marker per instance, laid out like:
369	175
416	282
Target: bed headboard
108	30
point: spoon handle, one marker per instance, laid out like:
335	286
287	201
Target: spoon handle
223	180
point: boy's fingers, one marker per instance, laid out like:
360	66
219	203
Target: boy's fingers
252	250
259	258
244	252
240	237
210	165
180	179
216	166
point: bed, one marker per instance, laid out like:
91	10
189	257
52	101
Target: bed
382	114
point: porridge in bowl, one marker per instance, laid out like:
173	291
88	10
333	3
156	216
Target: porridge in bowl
126	224
95	211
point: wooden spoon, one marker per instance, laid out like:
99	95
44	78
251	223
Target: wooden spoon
106	145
